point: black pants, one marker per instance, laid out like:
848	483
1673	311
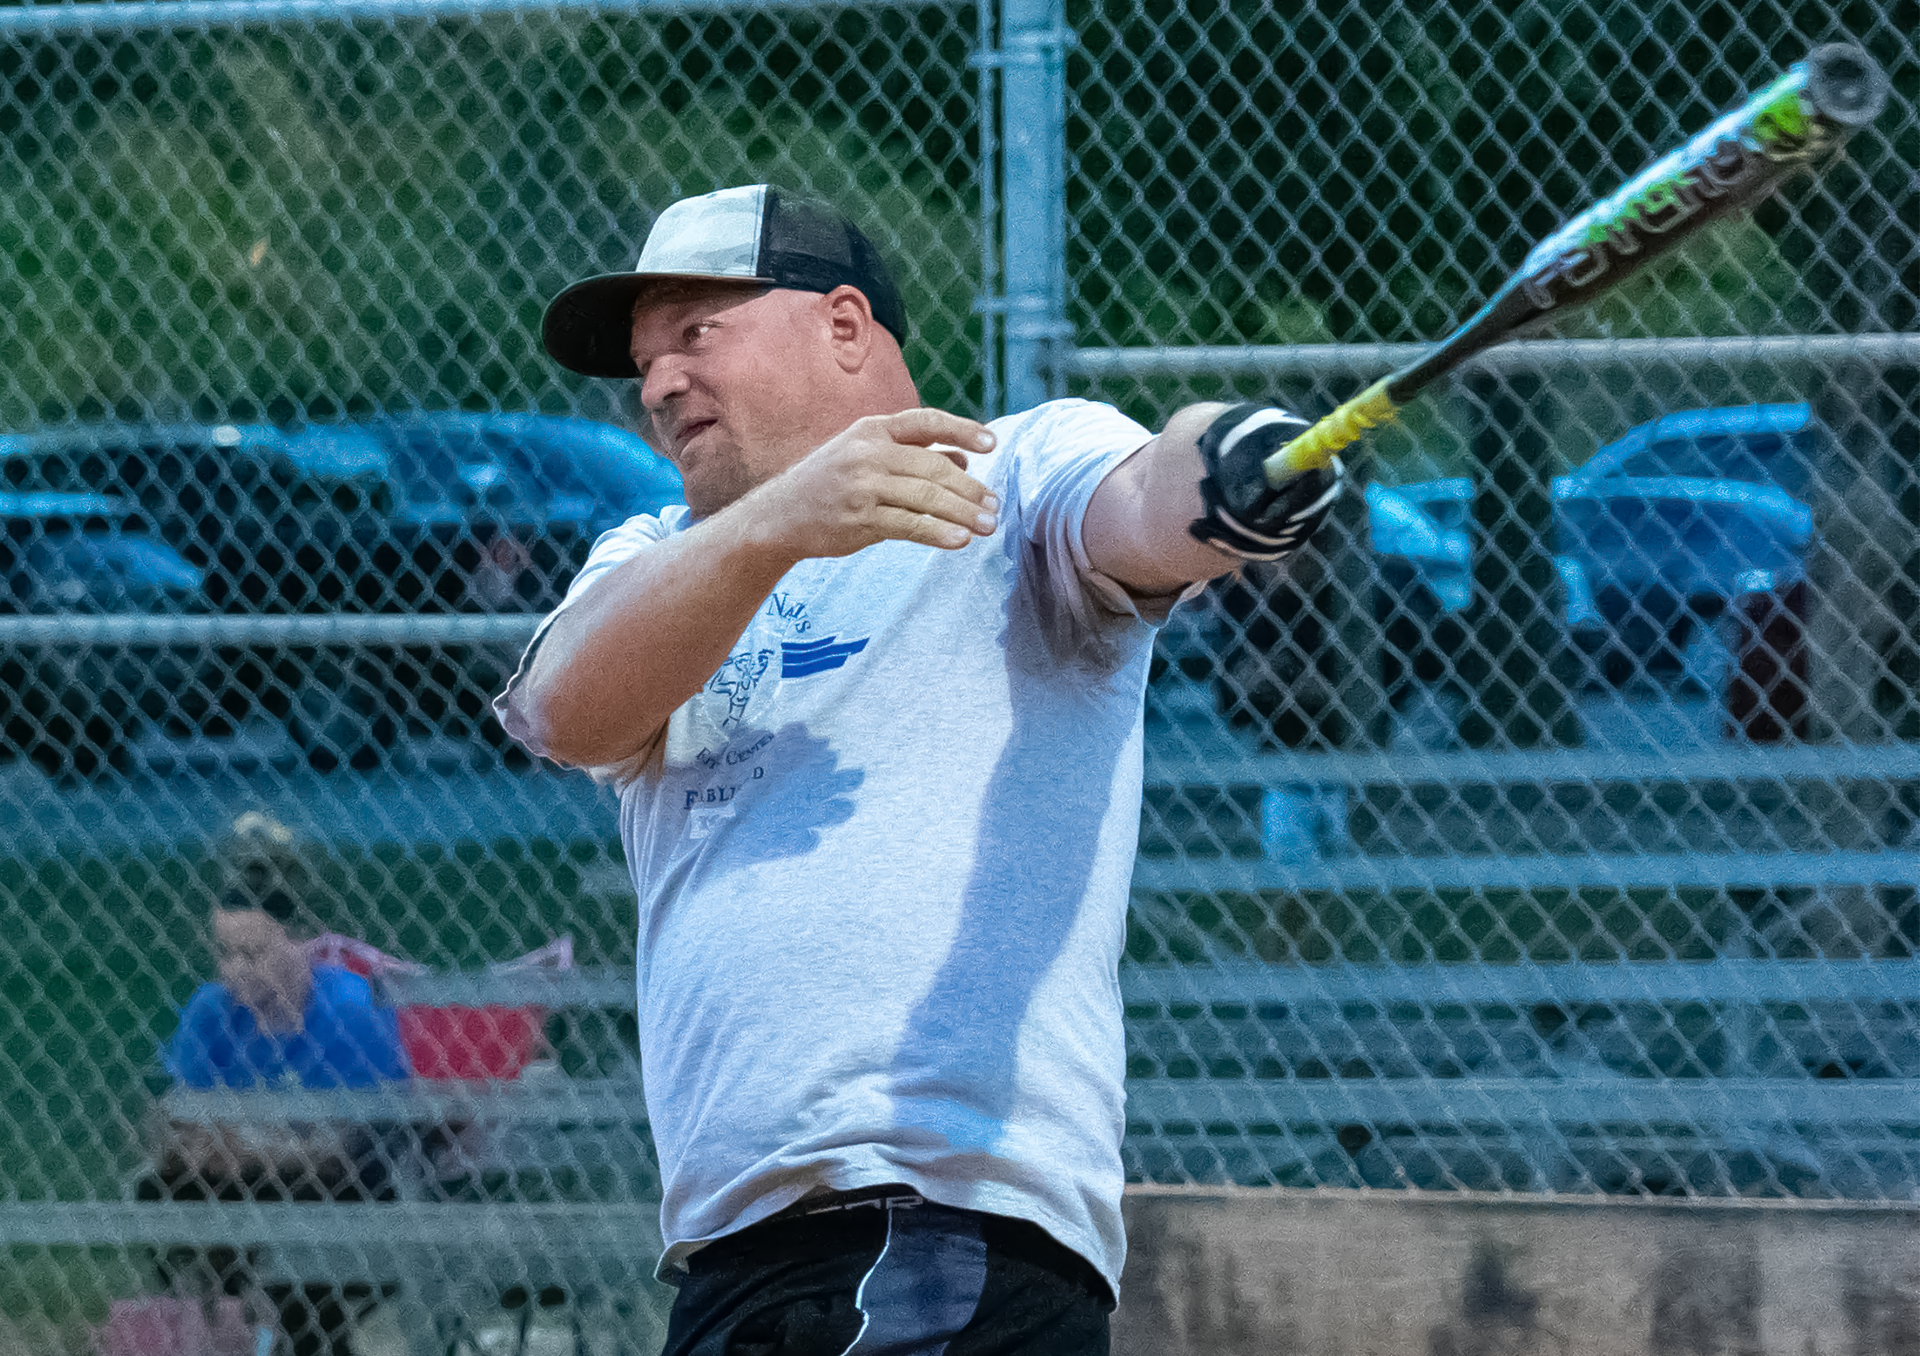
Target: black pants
887	1274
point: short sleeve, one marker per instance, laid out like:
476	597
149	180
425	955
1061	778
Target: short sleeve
366	1048
1061	452
203	1046
613	549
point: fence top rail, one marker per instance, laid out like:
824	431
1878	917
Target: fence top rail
1852	762
133	16
1243	981
1294	360
1713	981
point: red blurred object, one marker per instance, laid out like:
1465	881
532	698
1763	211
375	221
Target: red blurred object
495	1041
492	1041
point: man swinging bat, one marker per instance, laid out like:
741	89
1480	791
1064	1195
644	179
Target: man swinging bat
873	700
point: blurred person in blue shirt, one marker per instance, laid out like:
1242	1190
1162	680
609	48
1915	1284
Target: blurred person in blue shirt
275	1020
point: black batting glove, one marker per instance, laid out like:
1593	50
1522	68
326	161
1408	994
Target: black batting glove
1246	516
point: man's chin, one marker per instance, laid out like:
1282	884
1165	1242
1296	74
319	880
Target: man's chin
713	477
706	496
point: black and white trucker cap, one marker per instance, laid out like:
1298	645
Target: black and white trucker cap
759	235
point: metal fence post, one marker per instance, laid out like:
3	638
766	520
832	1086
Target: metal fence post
1033	124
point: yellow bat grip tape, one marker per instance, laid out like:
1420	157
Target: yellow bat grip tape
1315	448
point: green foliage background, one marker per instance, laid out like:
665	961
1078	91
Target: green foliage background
322	221
1247	174
1342	172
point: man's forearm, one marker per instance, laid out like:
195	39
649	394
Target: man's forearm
615	665
1136	526
1196	501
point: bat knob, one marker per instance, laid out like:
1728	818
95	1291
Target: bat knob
1845	84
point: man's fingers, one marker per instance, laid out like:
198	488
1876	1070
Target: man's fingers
898	524
902	477
923	496
925	427
939	470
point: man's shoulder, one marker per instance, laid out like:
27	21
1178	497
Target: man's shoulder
1067	430
646	528
1053	416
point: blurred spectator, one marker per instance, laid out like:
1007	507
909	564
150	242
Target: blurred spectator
1688	533
166	1325
276	1019
262	867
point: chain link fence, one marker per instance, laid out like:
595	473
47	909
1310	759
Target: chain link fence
287	481
1548	826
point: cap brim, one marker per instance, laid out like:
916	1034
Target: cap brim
589	327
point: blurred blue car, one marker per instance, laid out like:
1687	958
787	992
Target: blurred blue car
1684	520
253	507
496	512
420	513
448	511
88	553
1420	537
547	468
473	513
1693	504
71	708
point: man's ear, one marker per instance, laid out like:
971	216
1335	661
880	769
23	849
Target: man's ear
850	326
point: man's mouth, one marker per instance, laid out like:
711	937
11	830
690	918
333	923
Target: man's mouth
692	429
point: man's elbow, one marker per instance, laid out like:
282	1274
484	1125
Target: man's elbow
552	716
537	714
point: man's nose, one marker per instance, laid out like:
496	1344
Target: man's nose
665	379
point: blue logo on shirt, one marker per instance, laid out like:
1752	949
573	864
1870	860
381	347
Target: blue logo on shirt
736	679
799	659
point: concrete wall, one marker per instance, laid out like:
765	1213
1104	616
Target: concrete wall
1234	1272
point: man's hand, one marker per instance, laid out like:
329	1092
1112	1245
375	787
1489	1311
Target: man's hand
889	477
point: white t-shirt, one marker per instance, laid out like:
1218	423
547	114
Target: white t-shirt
883	861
